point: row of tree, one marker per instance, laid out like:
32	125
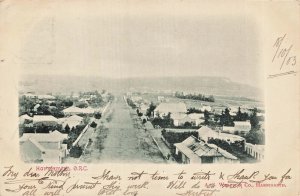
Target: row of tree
200	97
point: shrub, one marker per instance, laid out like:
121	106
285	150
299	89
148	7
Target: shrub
76	151
97	115
93	124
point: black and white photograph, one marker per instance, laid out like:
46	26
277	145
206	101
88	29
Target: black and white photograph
142	89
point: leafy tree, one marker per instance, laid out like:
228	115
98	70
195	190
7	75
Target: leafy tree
193	110
239	116
165	121
97	115
255	136
177	137
254	120
93	124
226	118
206	117
76	151
187	125
67	129
195	97
82	105
44	110
150	110
57	113
67	103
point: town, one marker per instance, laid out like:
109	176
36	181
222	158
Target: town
140	126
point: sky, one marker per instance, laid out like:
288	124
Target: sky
143	45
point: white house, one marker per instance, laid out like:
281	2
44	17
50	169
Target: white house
73	110
228	129
192	150
181	118
45	120
43	147
24	119
164	108
242	127
72	121
205	133
256	151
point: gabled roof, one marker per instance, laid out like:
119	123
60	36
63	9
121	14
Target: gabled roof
222	152
44	118
196	116
24	117
195	149
227	128
72	109
184	148
178	116
75	118
54	136
242	123
206	132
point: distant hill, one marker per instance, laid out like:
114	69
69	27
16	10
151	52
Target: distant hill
206	85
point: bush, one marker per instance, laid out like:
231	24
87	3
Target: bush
76	151
93	124
97	115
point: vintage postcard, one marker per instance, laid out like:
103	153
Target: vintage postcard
189	98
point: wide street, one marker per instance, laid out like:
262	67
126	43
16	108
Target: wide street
120	138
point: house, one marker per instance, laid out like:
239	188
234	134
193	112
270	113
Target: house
45	148
197	118
72	121
164	108
228	129
242	127
47	120
46	97
73	110
25	119
256	151
192	150
205	133
205	107
88	111
181	118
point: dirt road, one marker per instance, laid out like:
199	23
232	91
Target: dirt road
121	139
